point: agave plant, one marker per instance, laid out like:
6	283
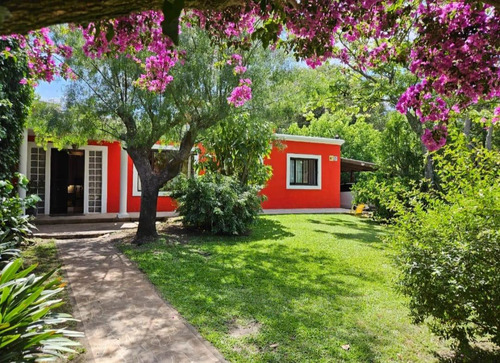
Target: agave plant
29	328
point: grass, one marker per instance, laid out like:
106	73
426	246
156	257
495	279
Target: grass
44	253
296	290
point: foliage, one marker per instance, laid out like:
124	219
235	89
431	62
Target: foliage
295	290
15	100
400	169
449	243
14	223
361	138
429	38
380	193
62	126
28	327
218	204
236	147
400	150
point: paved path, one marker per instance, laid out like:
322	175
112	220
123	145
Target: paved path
123	317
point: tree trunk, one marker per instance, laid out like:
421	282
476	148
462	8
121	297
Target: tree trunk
489	138
146	230
21	16
416	126
467	127
429	169
150	187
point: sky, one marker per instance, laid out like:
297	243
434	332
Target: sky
53	91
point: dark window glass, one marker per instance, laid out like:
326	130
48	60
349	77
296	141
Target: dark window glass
303	171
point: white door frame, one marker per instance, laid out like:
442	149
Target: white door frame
48	169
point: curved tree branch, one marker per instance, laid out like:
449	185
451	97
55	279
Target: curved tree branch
21	16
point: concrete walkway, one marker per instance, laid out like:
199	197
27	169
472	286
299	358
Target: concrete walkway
123	317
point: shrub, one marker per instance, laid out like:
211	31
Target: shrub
14	224
380	192
29	329
449	248
216	203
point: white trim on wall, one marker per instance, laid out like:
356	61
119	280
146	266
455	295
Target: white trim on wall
310	139
104	186
303	156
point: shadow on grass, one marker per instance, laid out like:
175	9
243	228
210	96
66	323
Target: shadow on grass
299	297
475	354
266	229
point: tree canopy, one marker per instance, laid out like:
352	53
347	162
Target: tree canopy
451	47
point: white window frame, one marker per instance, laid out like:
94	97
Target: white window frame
46	202
303	156
135	175
104	187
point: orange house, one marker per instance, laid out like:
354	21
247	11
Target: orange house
100	177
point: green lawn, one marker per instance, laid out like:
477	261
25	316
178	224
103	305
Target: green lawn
296	290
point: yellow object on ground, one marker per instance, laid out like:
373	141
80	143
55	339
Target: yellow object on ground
359	209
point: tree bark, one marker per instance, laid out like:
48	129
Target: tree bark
489	138
151	182
150	187
146	231
467	127
416	126
21	16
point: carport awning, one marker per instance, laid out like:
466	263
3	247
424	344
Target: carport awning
350	165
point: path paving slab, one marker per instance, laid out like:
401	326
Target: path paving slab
123	317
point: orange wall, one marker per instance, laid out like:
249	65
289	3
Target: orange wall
165	204
279	197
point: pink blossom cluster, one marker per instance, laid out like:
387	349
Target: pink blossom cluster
46	60
241	94
496	115
454	51
237	61
436	138
130	35
457	56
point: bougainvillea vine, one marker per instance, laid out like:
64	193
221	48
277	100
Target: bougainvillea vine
454	47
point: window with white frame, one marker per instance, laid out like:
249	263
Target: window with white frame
158	158
303	171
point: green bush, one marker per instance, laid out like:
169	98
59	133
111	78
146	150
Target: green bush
449	248
14	223
379	192
29	329
217	204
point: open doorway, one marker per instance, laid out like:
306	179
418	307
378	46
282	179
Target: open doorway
67	181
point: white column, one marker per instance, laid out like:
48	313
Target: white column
123	183
23	160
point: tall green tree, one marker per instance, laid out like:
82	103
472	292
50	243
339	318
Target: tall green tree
108	102
15	100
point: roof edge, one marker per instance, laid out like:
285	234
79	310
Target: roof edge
313	139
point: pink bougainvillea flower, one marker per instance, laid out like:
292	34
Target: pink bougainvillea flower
436	138
241	94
